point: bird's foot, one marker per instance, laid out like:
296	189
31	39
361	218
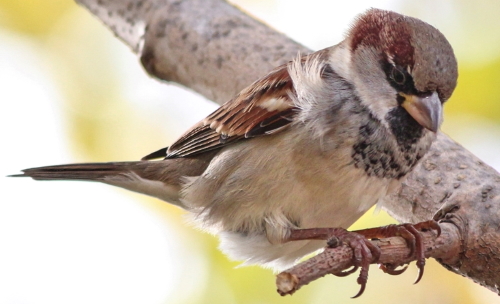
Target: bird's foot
364	252
412	236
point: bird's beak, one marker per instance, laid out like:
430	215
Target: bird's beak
427	111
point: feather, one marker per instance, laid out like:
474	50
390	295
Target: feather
260	109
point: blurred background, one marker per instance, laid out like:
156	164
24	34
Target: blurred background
71	92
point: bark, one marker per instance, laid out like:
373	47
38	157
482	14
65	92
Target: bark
216	50
394	251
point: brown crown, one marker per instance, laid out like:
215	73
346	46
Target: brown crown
409	43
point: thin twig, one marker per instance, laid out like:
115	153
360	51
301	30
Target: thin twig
394	250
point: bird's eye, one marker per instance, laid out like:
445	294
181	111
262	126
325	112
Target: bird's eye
398	76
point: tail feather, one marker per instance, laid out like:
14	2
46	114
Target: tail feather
162	179
158	179
84	171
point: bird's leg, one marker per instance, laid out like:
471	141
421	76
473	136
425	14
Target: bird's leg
364	252
412	236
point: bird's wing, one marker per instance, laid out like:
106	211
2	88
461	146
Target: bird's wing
263	108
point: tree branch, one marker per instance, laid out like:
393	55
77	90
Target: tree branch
216	50
206	45
394	251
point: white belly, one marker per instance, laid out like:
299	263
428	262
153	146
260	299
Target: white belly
252	195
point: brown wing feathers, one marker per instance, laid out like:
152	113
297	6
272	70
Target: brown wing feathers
263	108
200	139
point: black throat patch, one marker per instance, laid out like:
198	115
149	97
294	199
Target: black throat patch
406	129
385	155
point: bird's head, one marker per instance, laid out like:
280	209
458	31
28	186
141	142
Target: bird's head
403	68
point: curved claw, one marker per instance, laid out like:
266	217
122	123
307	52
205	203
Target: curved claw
420	266
362	279
364	253
391	269
361	289
419	250
411	234
346	272
429	225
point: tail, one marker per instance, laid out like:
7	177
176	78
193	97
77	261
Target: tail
83	172
162	179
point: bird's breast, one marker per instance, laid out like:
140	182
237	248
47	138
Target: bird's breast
252	195
281	182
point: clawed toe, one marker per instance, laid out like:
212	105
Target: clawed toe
346	272
411	234
365	252
391	269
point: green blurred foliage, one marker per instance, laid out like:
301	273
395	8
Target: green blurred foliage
478	91
33	17
96	115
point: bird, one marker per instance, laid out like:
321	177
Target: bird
300	154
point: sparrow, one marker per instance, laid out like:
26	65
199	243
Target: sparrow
310	146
